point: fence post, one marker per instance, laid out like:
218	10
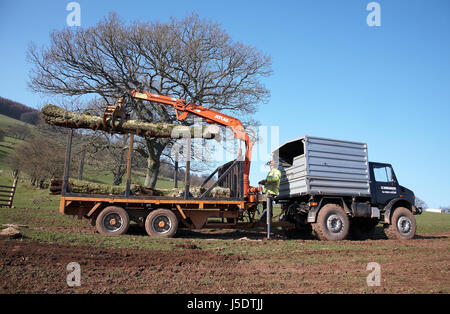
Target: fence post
7	192
13	189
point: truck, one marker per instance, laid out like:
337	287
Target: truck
328	186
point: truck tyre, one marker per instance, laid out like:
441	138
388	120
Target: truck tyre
403	225
112	220
363	228
332	223
161	223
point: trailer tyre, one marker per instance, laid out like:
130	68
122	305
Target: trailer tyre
332	223
112	220
161	223
403	225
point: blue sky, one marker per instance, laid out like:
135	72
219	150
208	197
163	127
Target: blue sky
334	76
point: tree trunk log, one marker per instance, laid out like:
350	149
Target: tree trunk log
55	115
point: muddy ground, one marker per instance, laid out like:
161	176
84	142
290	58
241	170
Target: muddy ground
421	265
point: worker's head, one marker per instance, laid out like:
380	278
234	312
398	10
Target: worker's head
273	164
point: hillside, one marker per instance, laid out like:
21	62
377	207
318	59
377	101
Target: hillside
16	110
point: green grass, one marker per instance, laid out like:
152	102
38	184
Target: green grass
8	143
99	241
6	121
6	147
92	174
429	223
27	196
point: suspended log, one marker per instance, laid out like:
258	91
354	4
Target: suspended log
57	116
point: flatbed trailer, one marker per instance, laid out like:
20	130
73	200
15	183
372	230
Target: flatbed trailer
161	215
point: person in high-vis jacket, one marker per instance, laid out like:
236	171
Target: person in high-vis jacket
271	185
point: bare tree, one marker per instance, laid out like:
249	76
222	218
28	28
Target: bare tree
40	158
191	58
420	203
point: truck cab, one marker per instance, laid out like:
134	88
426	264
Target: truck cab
384	185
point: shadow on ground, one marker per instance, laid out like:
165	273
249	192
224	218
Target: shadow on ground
256	234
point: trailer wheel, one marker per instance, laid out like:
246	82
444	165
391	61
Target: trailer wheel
112	220
161	223
362	228
403	225
332	223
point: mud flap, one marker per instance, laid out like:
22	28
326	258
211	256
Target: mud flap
312	215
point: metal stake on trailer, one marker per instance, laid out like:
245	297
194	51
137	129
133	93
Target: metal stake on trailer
67	162
175	173
130	150
187	178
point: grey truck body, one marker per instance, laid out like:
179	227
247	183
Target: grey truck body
321	166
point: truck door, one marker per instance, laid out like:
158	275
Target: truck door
384	183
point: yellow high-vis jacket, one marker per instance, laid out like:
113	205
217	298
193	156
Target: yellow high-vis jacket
272	182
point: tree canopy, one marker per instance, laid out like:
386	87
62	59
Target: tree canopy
189	58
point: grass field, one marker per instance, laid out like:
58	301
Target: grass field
8	143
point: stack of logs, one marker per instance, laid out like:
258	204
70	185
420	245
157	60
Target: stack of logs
85	187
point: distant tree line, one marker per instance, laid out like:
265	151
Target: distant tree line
18	111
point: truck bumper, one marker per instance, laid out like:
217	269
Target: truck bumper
416	210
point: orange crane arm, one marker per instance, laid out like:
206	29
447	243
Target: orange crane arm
182	109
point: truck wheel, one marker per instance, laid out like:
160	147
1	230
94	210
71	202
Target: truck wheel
332	223
112	220
403	225
161	223
362	229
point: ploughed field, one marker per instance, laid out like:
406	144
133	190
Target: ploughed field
215	261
